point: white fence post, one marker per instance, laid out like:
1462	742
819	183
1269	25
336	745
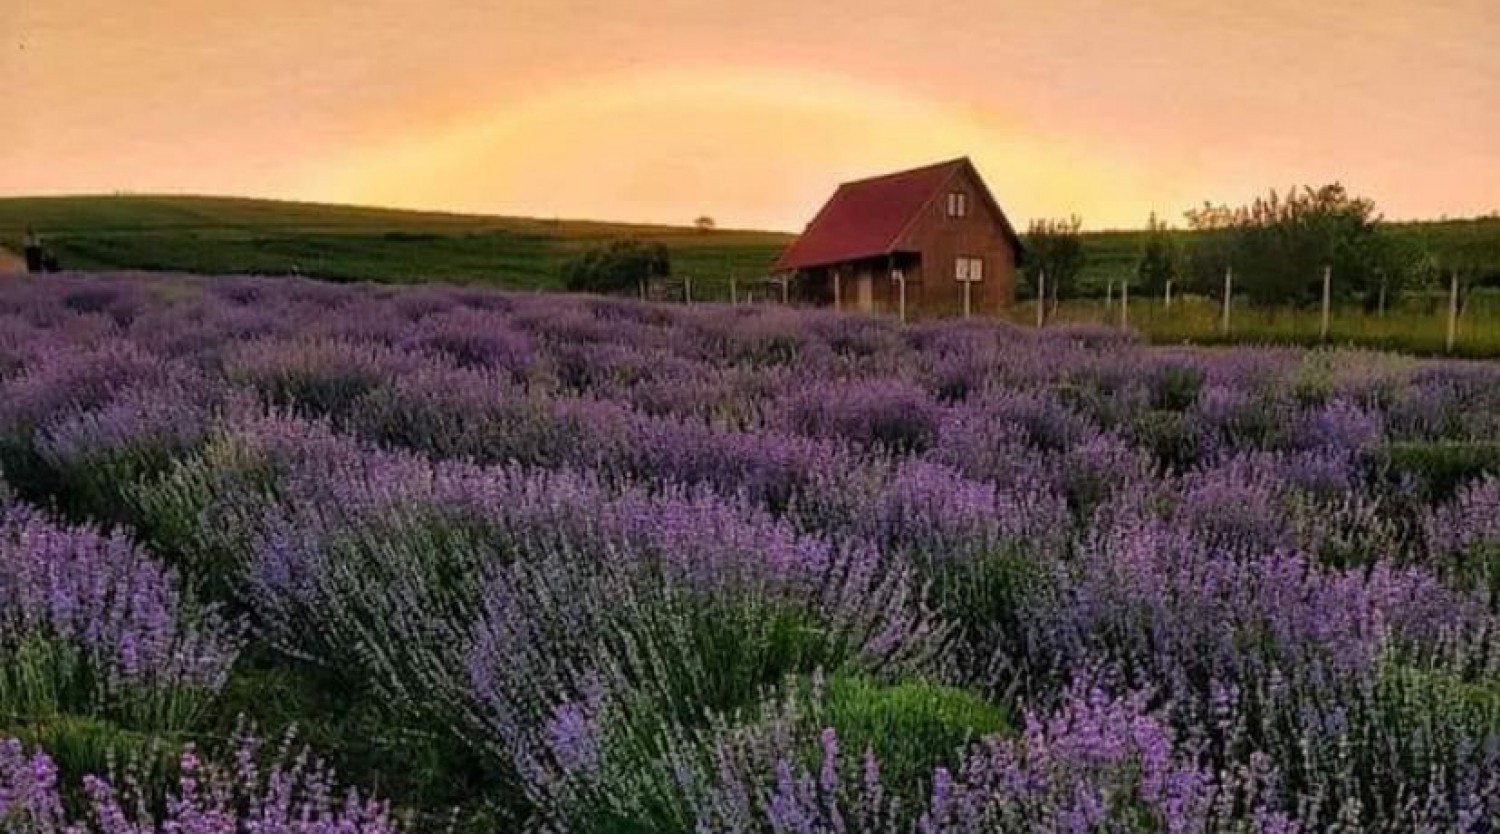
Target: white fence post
1327	302
1452	310
900	279
1228	294
1041	298
1166	303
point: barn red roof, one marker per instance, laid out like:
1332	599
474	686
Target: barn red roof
865	218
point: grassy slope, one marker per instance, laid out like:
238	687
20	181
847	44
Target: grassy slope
230	235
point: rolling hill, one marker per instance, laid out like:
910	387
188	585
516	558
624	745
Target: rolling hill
217	235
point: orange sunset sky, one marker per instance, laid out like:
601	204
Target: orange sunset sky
660	110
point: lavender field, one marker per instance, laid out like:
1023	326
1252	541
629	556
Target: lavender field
287	557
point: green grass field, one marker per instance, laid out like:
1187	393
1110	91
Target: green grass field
217	235
1418	325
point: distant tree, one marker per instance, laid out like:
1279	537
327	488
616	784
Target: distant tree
1208	253
1158	261
619	266
1055	248
1279	244
1472	252
1398	265
704	224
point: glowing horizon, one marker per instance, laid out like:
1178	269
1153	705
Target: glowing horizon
658	112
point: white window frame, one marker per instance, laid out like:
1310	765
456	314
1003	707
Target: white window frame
958	204
968	268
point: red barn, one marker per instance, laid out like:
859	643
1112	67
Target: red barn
937	229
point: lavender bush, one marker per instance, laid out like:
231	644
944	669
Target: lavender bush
293	794
89	622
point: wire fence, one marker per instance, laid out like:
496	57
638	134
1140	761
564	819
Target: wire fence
1450	321
1453	321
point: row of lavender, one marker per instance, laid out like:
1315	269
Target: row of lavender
726	569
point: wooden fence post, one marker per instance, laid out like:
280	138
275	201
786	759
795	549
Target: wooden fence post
687	289
838	289
1109	299
1166	303
734	292
1125	304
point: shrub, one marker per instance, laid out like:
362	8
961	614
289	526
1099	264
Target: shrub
1463	538
80	745
293	793
1439	468
1172	438
96	457
89	623
619	266
886	413
317	378
201	512
1176	387
1279	244
911	727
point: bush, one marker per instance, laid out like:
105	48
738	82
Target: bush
619	266
80	745
1439	469
291	793
1054	250
912	727
1279	245
89	623
1157	265
199	512
1174	439
1176	387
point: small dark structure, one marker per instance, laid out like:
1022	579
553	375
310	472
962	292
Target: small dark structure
935	233
38	257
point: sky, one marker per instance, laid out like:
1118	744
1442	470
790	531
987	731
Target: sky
751	112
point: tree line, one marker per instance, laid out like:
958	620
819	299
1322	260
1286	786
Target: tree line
1277	247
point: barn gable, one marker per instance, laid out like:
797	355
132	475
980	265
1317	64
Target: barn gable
872	217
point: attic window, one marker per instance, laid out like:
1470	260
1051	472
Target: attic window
958	204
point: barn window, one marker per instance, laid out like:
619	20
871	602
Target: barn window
958	204
968	269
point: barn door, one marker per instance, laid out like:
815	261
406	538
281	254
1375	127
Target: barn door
864	291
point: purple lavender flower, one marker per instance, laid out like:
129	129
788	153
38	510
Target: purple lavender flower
81	593
292	795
